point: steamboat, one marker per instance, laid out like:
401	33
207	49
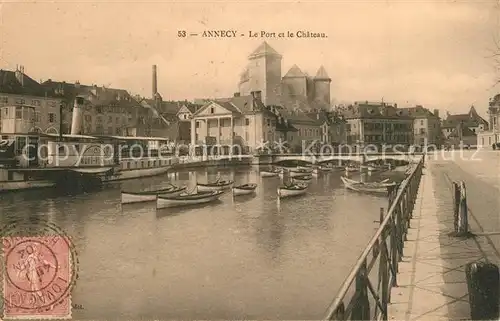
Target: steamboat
30	159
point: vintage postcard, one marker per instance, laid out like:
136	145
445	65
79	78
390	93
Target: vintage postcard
283	160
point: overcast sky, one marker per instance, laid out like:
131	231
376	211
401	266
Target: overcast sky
433	53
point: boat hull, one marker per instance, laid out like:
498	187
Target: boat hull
25	185
238	192
296	180
268	174
285	192
128	198
357	187
166	203
211	188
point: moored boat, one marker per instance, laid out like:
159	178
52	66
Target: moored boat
302	179
384	183
365	188
299	172
128	197
271	173
316	172
244	189
216	186
292	190
187	199
303	169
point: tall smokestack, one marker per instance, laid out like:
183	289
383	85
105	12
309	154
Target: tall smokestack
155	82
76	123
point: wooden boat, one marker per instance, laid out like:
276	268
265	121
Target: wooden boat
292	190
271	173
365	188
187	199
299	172
147	196
244	189
316	172
384	183
216	186
302	169
302	179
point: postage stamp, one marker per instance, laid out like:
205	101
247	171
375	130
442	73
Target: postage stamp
38	276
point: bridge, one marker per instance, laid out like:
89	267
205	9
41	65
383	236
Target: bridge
353	157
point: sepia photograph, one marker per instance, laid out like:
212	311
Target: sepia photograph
231	160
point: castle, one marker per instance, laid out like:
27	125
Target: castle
294	91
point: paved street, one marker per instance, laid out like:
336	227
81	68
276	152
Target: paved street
431	277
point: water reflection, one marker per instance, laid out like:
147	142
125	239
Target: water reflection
246	256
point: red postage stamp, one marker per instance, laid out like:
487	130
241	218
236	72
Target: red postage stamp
37	277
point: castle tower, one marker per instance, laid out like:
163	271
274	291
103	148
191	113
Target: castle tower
295	82
322	88
263	74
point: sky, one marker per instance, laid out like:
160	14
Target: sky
433	53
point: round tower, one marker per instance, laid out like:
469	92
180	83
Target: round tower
322	88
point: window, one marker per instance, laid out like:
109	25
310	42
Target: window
117	131
117	120
52	117
197	124
35	102
37	117
4	100
51	103
20	101
19	112
98	110
110	130
110	119
247	122
421	122
212	110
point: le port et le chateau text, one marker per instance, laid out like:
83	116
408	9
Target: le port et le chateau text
230	33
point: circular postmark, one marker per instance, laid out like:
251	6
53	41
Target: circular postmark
40	267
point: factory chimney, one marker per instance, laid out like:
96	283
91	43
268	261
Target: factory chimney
155	82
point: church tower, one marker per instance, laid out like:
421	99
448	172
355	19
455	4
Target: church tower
263	74
322	88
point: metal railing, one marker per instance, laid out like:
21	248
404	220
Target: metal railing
365	296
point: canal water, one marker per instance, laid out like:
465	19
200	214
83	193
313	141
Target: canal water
248	258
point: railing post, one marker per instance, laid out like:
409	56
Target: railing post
361	309
463	221
384	274
460	211
339	312
394	250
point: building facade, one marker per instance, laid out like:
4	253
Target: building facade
374	123
426	126
471	120
491	136
18	89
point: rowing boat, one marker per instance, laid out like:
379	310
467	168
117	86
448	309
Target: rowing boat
188	199
216	186
271	173
244	189
384	183
147	196
295	189
365	188
302	179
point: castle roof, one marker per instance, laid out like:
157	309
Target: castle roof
264	50
294	72
322	74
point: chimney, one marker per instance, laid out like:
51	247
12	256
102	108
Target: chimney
436	112
77	84
155	82
258	95
20	75
395	105
236	94
76	123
